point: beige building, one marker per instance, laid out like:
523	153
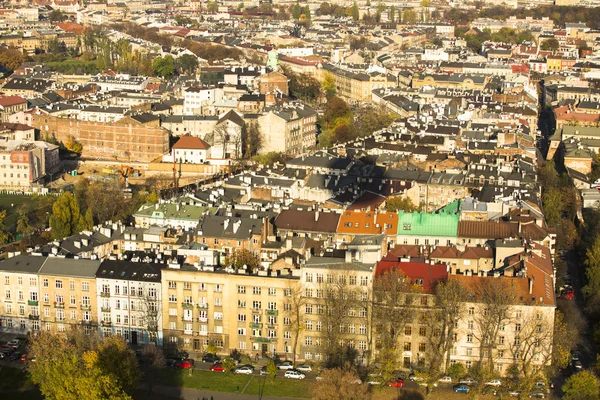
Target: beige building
358	86
291	129
68	294
205	306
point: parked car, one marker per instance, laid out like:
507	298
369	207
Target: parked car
294	374
445	379
396	383
539	385
14	344
461	388
414	378
245	369
567	294
575	355
577	366
494	382
286	365
217	367
263	370
14	357
304	368
184	364
210	358
24	357
514	393
468	381
537	395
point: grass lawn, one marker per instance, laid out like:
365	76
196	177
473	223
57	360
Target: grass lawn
12	212
14	379
225	382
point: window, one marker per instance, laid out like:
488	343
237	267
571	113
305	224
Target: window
422	330
422	347
59	284
309	277
408	330
308	341
241	289
272	291
19	280
469	338
407	346
287	292
470	325
71	285
85	286
172	298
308	292
242	345
519	314
287	321
364	281
309	309
362	329
517	327
187	285
7	280
241	303
501	340
218	316
469	351
319	278
20	295
308	325
256	290
32	282
287	335
242	317
72	301
172	285
257	305
217	301
471	310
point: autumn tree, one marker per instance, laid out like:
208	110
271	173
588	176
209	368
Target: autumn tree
494	299
252	139
66	218
550	45
74	145
243	257
441	320
392	308
340	384
212	7
328	85
294	310
11	58
75	366
400	203
354	11
583	385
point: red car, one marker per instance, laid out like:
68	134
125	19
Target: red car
397	383
23	357
185	364
217	368
568	294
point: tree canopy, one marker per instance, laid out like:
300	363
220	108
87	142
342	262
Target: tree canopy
66	216
581	386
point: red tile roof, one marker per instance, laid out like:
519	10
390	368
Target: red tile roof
191	142
416	271
6	101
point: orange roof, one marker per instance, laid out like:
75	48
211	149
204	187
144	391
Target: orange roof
71	27
368	222
6	101
191	142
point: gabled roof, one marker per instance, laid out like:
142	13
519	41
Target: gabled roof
307	221
23	263
420	273
189	142
233	117
6	101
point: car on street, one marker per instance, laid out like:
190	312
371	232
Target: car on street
14	357
414	378
537	395
210	358
293	374
396	383
217	367
493	382
445	379
285	365
577	366
468	381
263	370
567	294
245	369
304	368
461	388
514	393
183	364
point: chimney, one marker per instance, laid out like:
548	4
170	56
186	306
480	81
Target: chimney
316	216
531	285
236	225
225	223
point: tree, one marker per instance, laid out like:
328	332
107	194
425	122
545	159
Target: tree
57	16
328	85
164	66
553	204
265	8
392	14
295	312
88	220
306	13
212	7
73	145
581	386
335	109
272	369
71	366
400	203
229	364
187	63
252	140
243	257
354	11
296	11
457	370
23	225
550	45
66	218
409	17
3	234
494	298
340	384
11	58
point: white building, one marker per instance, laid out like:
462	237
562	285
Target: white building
189	150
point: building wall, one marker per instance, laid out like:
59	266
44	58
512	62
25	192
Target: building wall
19	303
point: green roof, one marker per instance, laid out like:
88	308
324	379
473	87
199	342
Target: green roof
173	211
424	224
452	208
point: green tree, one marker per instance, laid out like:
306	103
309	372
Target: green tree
187	63
57	16
400	203
581	386
240	257
354	11
229	364
164	66
23	225
241	7
3	234
329	85
265	8
73	145
272	369
392	14
88	220
66	218
592	271
340	384
212	6
335	109
456	370
409	17
296	11
553	205
114	355
550	45
11	58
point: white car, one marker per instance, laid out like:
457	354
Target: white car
304	368
494	382
285	365
294	375
468	381
445	379
244	370
14	343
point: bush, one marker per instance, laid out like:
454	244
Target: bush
457	370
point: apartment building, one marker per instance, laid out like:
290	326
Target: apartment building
291	129
358	87
24	163
10	105
68	294
227	309
20	294
129	299
131	138
109	83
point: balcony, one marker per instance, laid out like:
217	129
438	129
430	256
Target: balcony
104	294
34	317
202	319
106	323
202	306
261	339
187	305
85	307
105	309
255	325
59	305
187	319
256	311
32	302
203	333
271	326
272	312
187	332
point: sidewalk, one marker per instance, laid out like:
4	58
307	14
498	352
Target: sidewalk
195	394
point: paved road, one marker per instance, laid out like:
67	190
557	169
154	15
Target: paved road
195	394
